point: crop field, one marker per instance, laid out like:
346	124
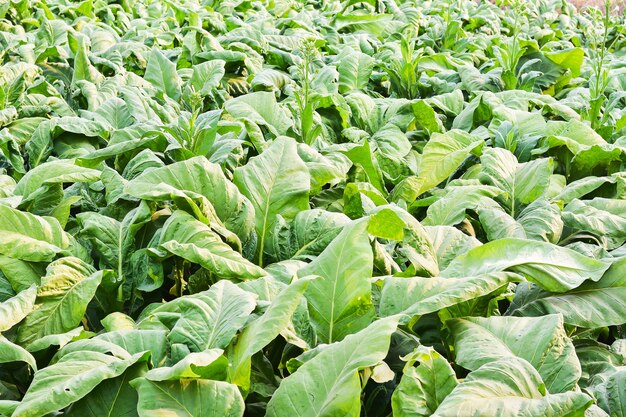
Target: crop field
379	208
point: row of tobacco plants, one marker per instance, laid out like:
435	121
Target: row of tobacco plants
312	208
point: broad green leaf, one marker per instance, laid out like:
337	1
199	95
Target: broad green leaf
509	387
161	73
426	117
207	76
449	242
117	321
264	330
62	299
83	70
591	305
609	389
261	109
41	142
188	398
337	386
604	218
116	113
552	267
119	148
541	221
362	157
16	308
308	234
442	155
571	58
418	296
521	183
541	341
497	223
277	182
209	364
73	377
113	240
30	238
391	222
112	397
580	188
136	341
354	69
10	352
340	300
54	172
209	319
6	291
193	178
574	135
387	224
184	236
450	209
59	340
422	389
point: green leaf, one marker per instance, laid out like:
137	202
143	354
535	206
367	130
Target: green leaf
188	397
116	112
73	377
136	341
450	209
571	58
16	308
308	234
415	244
264	330
386	224
277	182
591	305
609	389
83	70
340	300
112	397
362	157
30	238
184	236
209	319
539	220
542	221
521	183
442	155
53	172
161	73
207	76
337	386
10	352
422	389
261	109
509	388
552	267
62	299
354	69
541	341
580	188
449	242
59	340
209	364
113	240
418	296
603	217
426	117
193	179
